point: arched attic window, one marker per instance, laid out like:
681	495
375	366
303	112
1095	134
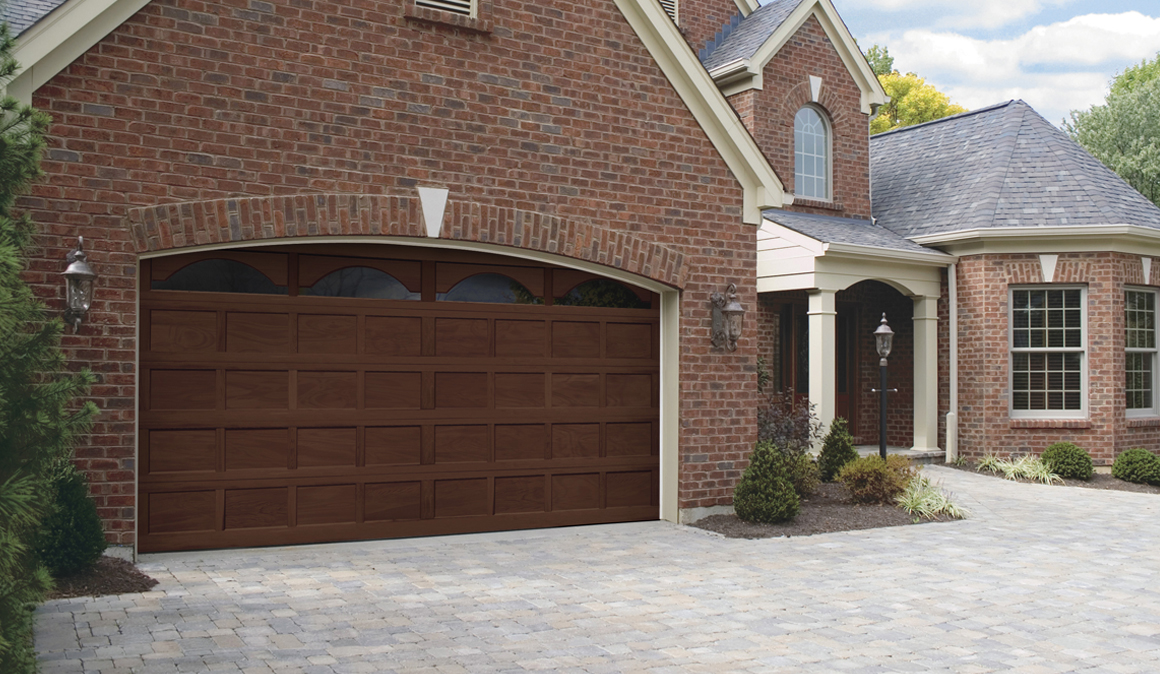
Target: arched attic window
811	153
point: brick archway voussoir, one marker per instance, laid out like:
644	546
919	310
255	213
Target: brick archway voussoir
248	219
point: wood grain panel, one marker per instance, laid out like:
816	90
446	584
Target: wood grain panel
394	335
182	389
327	390
311	268
327	334
393	445
519	390
326	447
519	442
181	512
519	494
182	451
575	440
326	504
572	339
461	498
520	339
393	390
629	439
629	390
575	390
458	444
629	489
391	501
251	508
461	337
183	331
257	390
576	492
458	390
628	340
257	448
257	333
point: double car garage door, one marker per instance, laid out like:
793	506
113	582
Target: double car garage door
319	394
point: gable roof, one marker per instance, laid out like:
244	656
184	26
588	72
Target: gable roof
1002	166
737	62
851	231
22	14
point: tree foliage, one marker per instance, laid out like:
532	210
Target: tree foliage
38	417
912	101
1124	132
880	60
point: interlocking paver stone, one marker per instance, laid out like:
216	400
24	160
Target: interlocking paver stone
1039	580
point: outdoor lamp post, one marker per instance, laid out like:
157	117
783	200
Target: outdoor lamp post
78	289
728	317
883	340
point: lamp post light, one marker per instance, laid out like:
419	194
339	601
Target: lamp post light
78	289
728	318
883	341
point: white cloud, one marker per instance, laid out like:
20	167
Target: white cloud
956	13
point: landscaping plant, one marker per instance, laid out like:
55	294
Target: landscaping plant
1137	465
788	422
38	416
837	450
872	480
1029	467
764	494
71	537
1068	460
923	498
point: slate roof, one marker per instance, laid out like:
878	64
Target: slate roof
999	166
22	14
744	40
830	229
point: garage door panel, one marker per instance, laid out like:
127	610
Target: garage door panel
394	335
326	504
326	447
572	339
519	389
181	451
516	442
629	390
521	494
254	508
629	489
462	337
183	331
324	334
257	390
520	339
629	439
575	440
393	390
461	498
257	332
327	390
455	390
459	444
266	448
186	511
393	445
629	340
576	492
575	390
392	501
182	389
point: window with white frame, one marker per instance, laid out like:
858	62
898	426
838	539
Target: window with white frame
1048	366
1140	351
811	154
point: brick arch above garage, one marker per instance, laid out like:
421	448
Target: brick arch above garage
169	227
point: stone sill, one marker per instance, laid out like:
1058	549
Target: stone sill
815	203
1143	422
475	24
1051	423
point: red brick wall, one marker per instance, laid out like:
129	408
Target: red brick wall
985	424
191	100
769	113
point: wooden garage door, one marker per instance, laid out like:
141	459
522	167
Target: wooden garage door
316	394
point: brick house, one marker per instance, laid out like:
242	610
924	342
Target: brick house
437	266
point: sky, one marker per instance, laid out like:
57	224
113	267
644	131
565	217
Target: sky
1057	55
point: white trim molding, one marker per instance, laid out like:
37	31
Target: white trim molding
1115	238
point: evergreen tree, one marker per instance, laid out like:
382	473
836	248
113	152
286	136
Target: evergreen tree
38	416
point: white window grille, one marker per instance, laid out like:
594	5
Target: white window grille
1048	356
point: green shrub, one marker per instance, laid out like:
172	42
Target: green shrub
1068	460
1137	465
765	492
837	450
788	422
872	480
71	538
923	498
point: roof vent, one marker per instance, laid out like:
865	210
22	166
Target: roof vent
464	7
670	7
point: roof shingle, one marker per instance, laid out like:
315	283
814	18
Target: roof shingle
744	40
830	229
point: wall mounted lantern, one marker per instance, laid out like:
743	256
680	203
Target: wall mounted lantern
78	288
883	341
728	317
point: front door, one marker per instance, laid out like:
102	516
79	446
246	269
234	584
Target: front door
794	370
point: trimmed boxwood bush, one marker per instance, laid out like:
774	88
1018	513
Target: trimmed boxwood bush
872	480
71	537
764	493
1068	460
837	450
1137	465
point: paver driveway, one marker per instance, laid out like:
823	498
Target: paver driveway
1041	579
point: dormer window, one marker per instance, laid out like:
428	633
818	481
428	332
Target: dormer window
461	7
811	153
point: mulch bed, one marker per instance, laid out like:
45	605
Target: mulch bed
1098	481
827	510
109	575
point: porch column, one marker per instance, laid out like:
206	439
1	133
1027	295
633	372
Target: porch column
823	322
925	373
